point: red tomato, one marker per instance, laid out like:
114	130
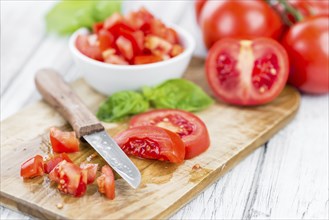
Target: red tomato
176	50
311	7
139	20
33	167
125	47
189	127
144	59
70	178
110	57
198	5
106	183
238	19
247	72
91	171
84	45
157	45
106	40
97	27
52	162
63	141
152	142
307	44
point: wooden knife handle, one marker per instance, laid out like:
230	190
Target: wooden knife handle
60	96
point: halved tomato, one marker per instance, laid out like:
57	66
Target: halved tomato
144	59
88	46
189	127
91	171
106	183
63	141
33	167
70	178
52	162
152	142
246	72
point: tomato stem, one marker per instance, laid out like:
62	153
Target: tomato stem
290	9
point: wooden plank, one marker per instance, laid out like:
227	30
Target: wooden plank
171	187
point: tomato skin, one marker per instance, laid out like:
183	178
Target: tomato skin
307	45
247	73
195	134
237	19
63	141
198	5
33	167
152	142
106	183
52	162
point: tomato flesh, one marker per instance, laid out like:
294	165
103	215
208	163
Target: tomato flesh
63	141
152	142
33	167
91	171
106	183
84	45
52	162
189	127
70	178
247	72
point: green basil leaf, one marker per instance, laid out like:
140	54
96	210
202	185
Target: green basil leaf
122	104
178	94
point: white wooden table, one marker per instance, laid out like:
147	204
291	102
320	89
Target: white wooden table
286	178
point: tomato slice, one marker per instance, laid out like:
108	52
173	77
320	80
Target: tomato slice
63	141
91	171
152	142
70	178
188	126
33	167
52	162
247	72
88	46
106	183
144	59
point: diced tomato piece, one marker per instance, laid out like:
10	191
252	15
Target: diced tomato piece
140	19
33	167
52	162
106	40
106	183
176	50
171	36
160	30
125	47
116	59
70	178
144	59
112	20
97	27
157	45
63	141
91	171
88	47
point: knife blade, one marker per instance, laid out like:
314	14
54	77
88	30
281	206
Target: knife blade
59	95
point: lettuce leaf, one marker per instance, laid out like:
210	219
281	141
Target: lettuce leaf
121	105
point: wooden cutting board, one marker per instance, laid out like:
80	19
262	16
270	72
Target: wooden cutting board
234	131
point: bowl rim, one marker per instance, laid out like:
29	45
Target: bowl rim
185	37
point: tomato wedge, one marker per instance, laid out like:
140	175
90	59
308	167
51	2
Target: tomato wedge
106	183
63	141
52	162
91	171
70	178
33	167
189	127
152	142
246	72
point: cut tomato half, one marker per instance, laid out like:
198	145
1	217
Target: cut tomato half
152	142
63	141
246	72
189	127
106	183
33	167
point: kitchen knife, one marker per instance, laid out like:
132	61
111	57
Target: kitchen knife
59	95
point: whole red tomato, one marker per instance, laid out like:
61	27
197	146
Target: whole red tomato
307	44
311	7
238	19
198	5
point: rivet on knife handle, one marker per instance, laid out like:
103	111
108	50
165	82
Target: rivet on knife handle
60	96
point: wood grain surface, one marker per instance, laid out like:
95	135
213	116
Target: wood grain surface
235	132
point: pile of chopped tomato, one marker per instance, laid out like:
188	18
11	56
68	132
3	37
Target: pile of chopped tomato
138	38
70	178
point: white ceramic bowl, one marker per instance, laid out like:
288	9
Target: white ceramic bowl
109	78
